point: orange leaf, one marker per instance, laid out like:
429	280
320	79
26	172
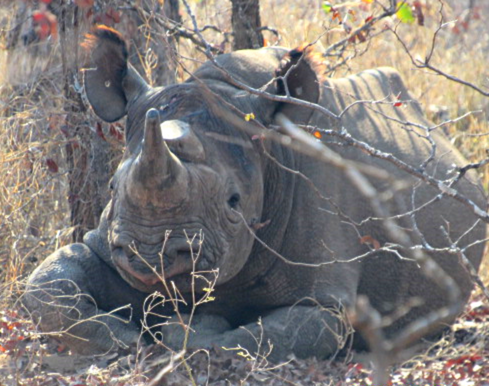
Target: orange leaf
38	17
99	131
398	97
369	240
52	165
418	12
45	24
337	15
317	134
116	132
462	359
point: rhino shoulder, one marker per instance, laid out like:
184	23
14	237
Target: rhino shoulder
98	241
390	82
385	71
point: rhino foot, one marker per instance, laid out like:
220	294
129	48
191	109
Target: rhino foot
301	330
67	296
202	332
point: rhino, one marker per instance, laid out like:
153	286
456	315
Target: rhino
277	243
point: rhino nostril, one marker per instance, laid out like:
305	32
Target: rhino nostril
181	250
184	254
178	254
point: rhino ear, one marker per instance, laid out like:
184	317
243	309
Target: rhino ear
298	76
110	82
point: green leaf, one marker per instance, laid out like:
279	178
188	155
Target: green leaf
405	14
327	7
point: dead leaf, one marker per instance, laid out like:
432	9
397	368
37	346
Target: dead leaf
369	240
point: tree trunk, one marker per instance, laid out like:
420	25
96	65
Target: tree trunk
92	147
151	51
78	144
246	24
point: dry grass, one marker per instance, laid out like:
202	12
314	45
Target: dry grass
34	208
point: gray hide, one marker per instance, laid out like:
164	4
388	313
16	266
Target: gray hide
262	225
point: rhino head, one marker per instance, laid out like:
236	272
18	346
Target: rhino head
186	174
166	201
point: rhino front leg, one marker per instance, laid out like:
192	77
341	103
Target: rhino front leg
301	330
72	295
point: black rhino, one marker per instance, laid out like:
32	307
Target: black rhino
196	193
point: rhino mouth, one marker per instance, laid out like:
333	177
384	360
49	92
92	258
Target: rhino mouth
150	271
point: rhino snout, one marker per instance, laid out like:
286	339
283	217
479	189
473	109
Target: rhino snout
139	261
180	256
126	263
176	249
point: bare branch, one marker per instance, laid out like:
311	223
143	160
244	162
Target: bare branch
425	64
366	27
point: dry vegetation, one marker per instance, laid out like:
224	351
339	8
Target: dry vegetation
34	208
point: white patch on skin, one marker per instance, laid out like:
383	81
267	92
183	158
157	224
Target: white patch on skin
174	129
298	90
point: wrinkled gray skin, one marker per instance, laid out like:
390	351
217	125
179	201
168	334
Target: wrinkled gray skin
199	174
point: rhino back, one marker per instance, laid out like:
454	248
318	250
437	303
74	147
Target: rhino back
400	130
252	67
386	279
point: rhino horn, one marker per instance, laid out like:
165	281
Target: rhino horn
183	141
157	167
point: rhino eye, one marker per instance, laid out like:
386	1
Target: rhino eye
234	200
